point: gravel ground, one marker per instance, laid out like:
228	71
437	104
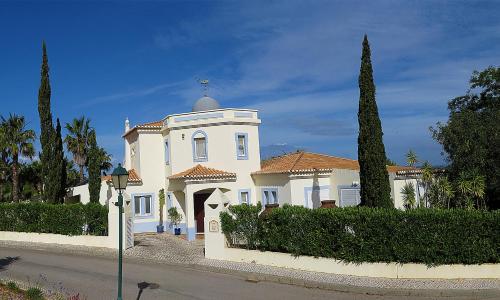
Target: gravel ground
166	248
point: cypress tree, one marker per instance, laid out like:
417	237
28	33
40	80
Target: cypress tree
374	178
46	126
55	190
94	168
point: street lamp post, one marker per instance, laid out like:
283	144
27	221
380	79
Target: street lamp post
120	179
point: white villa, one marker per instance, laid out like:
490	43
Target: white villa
214	152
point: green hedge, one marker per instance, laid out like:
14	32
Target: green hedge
67	219
360	234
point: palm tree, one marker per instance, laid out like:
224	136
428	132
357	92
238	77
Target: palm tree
411	161
465	189
427	179
77	142
472	187
105	159
408	192
478	186
440	193
19	142
411	158
4	161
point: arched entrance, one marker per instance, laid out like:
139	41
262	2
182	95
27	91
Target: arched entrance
199	199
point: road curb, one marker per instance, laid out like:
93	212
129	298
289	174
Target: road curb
256	277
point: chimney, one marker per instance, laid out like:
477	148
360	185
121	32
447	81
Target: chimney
127	125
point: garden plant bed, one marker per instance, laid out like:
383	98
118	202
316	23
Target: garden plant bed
10	291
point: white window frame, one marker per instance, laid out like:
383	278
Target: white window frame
308	191
142	205
240	196
237	136
270	190
342	188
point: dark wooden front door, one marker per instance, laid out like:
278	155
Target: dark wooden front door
199	211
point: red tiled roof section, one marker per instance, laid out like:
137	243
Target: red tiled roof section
307	162
199	172
151	125
394	169
132	176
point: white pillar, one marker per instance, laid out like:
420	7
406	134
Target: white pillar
128	224
215	241
190	221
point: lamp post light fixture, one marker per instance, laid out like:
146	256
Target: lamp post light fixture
119	178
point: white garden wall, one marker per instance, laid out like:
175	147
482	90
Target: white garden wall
109	241
216	247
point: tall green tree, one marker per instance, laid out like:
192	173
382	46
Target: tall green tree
46	126
4	162
374	178
105	159
19	142
55	190
30	180
77	142
471	136
94	168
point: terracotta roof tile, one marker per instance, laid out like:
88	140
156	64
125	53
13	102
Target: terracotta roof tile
300	162
132	176
200	172
150	125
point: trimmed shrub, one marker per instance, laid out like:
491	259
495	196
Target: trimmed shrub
243	228
67	219
362	234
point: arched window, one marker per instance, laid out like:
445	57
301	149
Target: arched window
200	149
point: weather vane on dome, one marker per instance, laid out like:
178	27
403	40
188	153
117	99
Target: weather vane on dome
204	85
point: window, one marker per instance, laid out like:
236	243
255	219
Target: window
167	153
314	195
242	146
201	149
143	205
270	196
199	141
244	196
349	197
169	201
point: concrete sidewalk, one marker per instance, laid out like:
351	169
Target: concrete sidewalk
169	249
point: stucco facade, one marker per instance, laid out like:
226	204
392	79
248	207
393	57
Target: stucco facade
191	155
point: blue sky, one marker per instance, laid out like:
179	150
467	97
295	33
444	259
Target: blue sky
295	61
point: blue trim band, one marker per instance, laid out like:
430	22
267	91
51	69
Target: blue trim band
191	234
200	117
249	199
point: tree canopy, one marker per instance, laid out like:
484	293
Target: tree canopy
471	136
374	179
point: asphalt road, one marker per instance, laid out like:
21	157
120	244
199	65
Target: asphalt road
95	277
